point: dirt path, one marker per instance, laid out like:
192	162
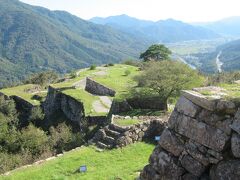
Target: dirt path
80	84
99	107
106	101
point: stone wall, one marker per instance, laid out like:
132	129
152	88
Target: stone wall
202	141
139	132
114	136
72	108
96	88
57	101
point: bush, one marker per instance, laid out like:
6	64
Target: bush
61	136
36	115
127	72
73	74
93	67
34	140
43	79
7	106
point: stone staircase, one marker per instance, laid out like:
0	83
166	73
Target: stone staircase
107	137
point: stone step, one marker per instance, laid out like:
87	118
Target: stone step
102	145
112	133
109	140
116	128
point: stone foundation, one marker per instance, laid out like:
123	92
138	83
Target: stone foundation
202	141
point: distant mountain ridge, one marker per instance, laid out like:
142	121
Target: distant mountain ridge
35	39
164	31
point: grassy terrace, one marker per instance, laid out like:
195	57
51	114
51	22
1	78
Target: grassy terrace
22	91
122	163
113	77
117	79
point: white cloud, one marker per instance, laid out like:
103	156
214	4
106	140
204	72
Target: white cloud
186	10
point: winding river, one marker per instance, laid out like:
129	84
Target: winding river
218	62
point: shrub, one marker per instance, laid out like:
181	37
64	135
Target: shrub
127	72
93	67
34	140
43	78
61	136
36	115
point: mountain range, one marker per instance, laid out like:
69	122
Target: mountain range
163	31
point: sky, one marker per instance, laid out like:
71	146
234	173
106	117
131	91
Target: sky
185	10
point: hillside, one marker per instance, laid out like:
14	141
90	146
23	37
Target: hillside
228	55
35	39
169	30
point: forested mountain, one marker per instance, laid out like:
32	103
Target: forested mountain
34	38
164	31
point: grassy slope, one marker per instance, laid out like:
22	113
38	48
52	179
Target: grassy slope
21	92
122	163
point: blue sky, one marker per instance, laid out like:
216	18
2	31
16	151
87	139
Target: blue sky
185	10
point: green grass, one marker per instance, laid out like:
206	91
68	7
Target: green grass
86	98
117	80
21	91
122	163
143	112
126	122
233	90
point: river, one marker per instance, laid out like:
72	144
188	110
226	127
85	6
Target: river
218	62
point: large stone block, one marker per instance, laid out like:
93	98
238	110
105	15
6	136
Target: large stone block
227	107
171	143
200	132
192	165
192	149
200	100
166	164
235	145
226	170
186	107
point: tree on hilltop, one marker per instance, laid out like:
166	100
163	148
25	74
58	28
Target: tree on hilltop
156	52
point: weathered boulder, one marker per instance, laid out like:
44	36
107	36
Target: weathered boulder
189	176
186	107
235	145
192	165
226	170
171	143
